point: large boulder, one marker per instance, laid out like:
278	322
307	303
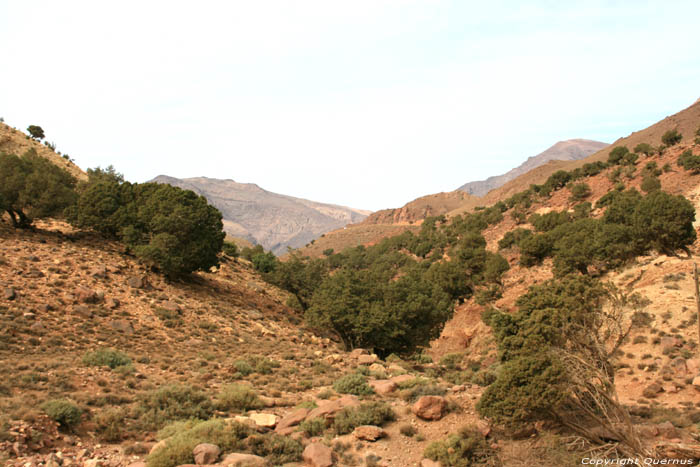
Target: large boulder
429	463
368	433
9	293
266	420
206	453
288	422
383	386
85	295
329	408
238	459
430	407
318	455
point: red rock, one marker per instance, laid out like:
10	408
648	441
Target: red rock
329	408
85	295
368	433
402	378
430	407
206	453
292	419
383	386
366	359
318	455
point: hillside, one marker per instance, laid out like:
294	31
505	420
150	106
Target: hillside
272	220
16	142
569	150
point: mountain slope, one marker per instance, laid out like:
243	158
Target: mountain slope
569	150
272	220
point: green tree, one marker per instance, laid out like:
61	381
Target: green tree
617	154
299	276
35	131
579	191
665	222
671	137
644	148
31	187
265	262
650	183
689	161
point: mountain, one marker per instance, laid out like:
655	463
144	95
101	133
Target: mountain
272	220
569	150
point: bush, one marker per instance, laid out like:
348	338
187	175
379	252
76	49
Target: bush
264	262
238	397
67	414
549	221
617	154
513	237
183	437
35	131
671	137
110	424
313	427
106	357
650	183
644	148
465	448
534	248
579	191
276	449
230	249
172	402
689	161
353	383
371	413
665	222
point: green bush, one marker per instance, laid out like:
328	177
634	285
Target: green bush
276	449
182	437
243	367
650	183
579	191
549	221
67	414
313	427
264	262
35	131
617	154
534	248
238	397
110	424
665	222
230	249
671	137
422	389
513	237
353	383
689	161
463	449
371	413
171	403
644	148
106	357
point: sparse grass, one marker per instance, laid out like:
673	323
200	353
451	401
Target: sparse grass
371	413
238	397
408	430
465	448
275	449
353	383
172	402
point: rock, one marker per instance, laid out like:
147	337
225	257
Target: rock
430	407
238	459
429	463
333	358
692	366
112	303
357	352
92	463
318	455
34	273
138	282
377	368
85	295
291	420
122	325
266	420
254	314
696	383
368	433
668	431
670	388
483	427
171	306
38	328
83	310
99	272
383	386
206	453
9	293
402	378
52	461
678	364
45	308
395	369
137	464
652	390
328	408
366	359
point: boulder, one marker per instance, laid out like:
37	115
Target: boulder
429	463
112	303
171	306
357	352
668	431
367	359
99	272
9	293
291	420
430	407
238	459
83	311
696	383
138	282
122	325
368	433
85	295
318	455
266	420
679	365
329	408
652	390
383	386
206	453
402	378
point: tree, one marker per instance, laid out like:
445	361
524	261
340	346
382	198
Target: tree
31	187
665	222
671	137
579	191
556	353
35	131
299	276
650	183
689	161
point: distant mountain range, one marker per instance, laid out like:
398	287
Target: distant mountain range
272	220
569	150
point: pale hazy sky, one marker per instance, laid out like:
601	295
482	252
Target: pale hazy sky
368	104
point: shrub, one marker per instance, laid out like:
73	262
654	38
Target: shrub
513	237
650	183
534	248
170	403
276	449
465	448
110	423
671	137
243	367
617	154
579	191
371	413
64	412
238	397
106	357
408	430
689	161
665	222
353	383
419	390
313	427
264	262
35	131
183	437
549	221
231	249
644	148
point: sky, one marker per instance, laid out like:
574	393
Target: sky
363	103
